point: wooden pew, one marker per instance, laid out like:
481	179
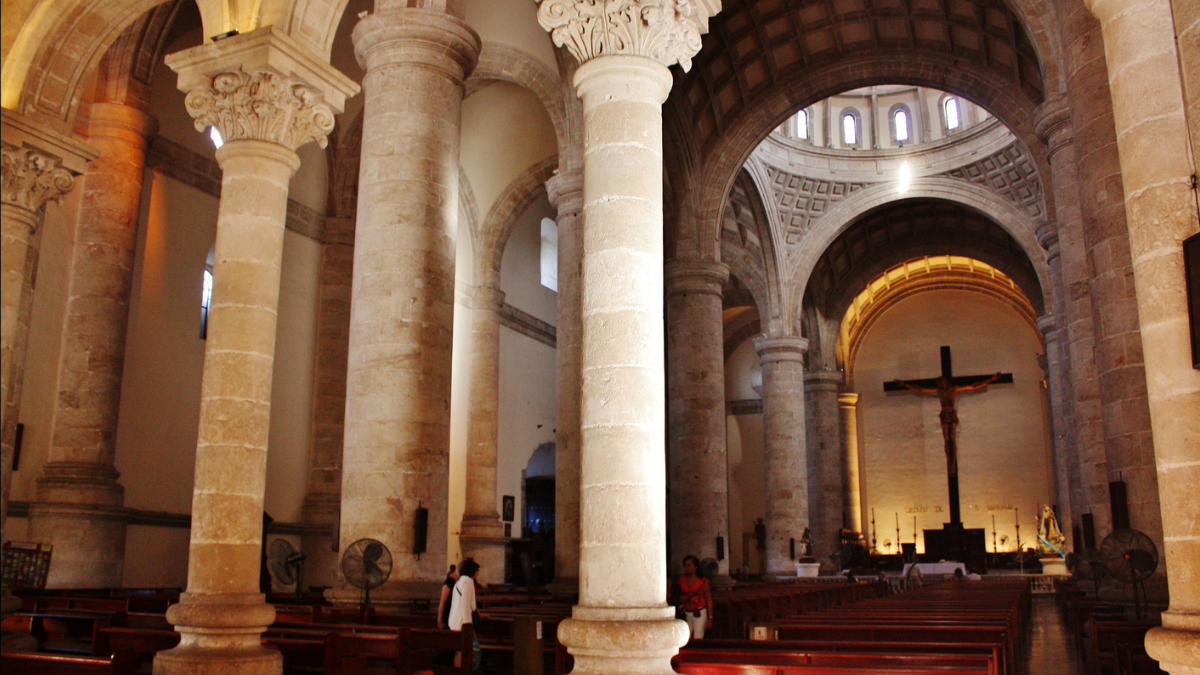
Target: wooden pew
805	661
1105	636
991	652
1133	660
978	635
31	663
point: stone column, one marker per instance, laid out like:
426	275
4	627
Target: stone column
79	505
851	486
565	191
322	501
1088	468
825	464
1061	452
396	450
482	534
266	96
1152	136
784	450
699	509
622	623
39	165
1118	353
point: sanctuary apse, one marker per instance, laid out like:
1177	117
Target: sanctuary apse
814	195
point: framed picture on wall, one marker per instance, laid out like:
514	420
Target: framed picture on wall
510	506
1191	270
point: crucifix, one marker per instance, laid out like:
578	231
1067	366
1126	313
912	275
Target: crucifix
947	387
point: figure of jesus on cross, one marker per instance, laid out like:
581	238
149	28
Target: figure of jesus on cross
947	387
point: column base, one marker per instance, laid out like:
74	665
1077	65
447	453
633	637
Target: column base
220	634
489	552
636	641
564	587
1176	645
88	540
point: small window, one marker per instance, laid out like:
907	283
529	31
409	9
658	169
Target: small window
205	302
802	125
550	254
900	125
850	129
952	113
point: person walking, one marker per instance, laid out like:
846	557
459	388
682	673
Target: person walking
462	607
695	598
444	603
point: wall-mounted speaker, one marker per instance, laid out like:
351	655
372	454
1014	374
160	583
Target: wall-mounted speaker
1191	271
1118	499
720	548
420	530
792	548
1089	532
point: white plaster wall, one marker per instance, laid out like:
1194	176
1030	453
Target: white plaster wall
520	269
743	373
512	23
459	387
1004	461
744	451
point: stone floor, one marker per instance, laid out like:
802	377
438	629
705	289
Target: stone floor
1050	651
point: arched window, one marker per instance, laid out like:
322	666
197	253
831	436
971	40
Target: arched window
205	302
951	113
549	254
850	128
802	125
901	124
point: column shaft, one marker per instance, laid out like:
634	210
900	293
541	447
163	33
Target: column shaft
566	193
852	486
79	501
1149	102
482	533
825	464
1058	383
396	450
784	452
699	509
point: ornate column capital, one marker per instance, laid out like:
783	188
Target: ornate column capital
39	164
667	31
1052	123
261	86
772	349
415	36
695	276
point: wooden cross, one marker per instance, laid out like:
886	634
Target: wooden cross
947	387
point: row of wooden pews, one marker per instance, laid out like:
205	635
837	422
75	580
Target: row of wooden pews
1110	642
961	628
744	604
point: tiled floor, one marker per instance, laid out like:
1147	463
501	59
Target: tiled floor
1050	651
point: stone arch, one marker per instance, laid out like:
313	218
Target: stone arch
126	68
502	63
493	232
1015	222
747	244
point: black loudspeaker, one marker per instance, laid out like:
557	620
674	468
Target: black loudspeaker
1089	532
420	530
1076	539
1191	271
17	440
1118	499
792	547
720	548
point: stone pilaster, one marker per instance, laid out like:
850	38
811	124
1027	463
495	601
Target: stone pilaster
481	533
1060	422
851	482
79	501
1148	102
699	509
565	191
266	96
1088	469
622	623
784	446
37	165
396	449
825	464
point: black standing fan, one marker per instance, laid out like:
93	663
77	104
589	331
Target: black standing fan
1130	557
366	564
286	563
1090	565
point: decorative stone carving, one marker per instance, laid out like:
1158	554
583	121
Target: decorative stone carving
1010	173
31	178
264	106
667	31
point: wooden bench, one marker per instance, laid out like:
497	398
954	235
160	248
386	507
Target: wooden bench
990	653
1105	636
30	663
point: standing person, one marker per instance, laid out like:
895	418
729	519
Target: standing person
444	603
695	598
462	606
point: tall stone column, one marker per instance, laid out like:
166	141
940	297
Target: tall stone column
1088	468
825	464
1118	353
565	191
784	446
396	452
1152	135
851	485
323	499
79	505
1057	386
622	623
38	165
266	96
699	509
482	534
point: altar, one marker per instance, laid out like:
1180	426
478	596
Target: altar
937	568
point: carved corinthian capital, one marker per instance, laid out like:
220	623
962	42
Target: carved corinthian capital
262	106
667	31
30	178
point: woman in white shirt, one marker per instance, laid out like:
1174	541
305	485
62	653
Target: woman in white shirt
462	604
